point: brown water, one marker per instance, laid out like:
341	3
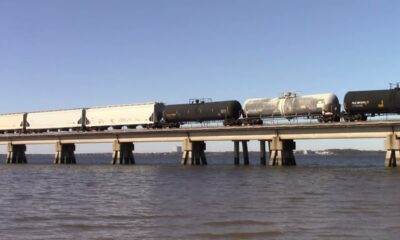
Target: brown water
327	198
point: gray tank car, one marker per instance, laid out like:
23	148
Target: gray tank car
324	107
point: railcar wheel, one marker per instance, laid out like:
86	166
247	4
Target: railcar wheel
174	125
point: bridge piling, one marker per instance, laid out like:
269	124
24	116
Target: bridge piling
263	154
123	153
236	152
246	160
16	154
281	152
236	157
65	153
392	145
193	153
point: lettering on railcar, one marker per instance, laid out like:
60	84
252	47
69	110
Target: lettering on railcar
360	103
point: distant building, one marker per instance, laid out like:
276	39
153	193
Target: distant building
177	149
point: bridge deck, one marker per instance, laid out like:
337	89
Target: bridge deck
369	129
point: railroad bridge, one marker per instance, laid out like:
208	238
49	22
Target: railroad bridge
281	141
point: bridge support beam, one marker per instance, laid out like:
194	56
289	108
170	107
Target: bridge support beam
281	152
392	145
16	154
194	153
123	153
65	153
236	151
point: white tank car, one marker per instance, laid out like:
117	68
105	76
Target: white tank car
131	115
324	107
12	122
54	120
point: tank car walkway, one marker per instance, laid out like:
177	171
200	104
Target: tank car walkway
281	139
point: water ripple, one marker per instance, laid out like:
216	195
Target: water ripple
239	235
238	222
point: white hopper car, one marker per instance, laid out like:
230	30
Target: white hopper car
12	122
54	120
145	115
98	118
324	107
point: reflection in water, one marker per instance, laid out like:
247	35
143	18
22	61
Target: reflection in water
323	199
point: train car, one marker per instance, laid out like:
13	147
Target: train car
359	105
63	120
10	123
324	107
200	111
130	116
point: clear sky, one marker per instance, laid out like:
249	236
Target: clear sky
74	53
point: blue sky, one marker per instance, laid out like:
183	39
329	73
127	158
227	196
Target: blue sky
64	54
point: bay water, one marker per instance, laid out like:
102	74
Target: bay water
323	197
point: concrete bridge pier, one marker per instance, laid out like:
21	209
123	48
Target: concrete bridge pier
236	145
65	153
123	153
16	154
281	152
392	145
193	153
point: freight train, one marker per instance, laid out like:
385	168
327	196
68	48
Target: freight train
358	106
